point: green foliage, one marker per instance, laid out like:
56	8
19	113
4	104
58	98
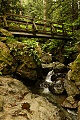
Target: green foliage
76	22
32	49
34	9
69	50
8	6
51	44
27	47
60	11
75	67
11	39
0	73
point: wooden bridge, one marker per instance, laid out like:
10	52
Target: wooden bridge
30	27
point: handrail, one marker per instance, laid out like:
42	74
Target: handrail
28	24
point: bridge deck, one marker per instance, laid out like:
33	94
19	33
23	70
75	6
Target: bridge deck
37	35
28	27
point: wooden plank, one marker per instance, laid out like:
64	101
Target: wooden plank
38	35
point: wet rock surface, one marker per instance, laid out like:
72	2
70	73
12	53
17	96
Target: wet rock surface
57	87
60	82
70	102
17	102
70	88
46	58
56	66
55	78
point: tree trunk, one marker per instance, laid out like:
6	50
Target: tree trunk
44	9
74	10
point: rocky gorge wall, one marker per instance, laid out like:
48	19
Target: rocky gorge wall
15	58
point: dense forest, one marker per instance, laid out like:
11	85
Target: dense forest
58	11
55	10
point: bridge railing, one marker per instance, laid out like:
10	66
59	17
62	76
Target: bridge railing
27	24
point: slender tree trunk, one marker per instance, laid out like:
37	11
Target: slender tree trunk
44	9
74	10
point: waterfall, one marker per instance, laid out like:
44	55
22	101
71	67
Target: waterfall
48	77
48	81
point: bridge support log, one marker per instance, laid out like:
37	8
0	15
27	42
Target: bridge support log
34	27
5	22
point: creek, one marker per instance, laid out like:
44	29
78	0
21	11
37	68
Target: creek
56	99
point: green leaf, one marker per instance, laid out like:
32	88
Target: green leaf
0	73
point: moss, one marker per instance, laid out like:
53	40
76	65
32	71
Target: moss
5	54
5	32
75	75
6	60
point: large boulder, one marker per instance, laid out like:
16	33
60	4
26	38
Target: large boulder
72	82
59	67
75	67
57	86
56	66
17	102
70	86
27	67
70	102
7	62
17	57
46	58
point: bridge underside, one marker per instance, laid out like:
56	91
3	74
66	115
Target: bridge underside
40	35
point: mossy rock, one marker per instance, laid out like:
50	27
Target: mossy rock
2	39
4	32
27	66
7	63
75	67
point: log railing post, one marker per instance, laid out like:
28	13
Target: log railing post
5	21
52	28
27	25
63	31
44	29
34	27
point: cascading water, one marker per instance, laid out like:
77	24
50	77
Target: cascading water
48	81
48	77
54	98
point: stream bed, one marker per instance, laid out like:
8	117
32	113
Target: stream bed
56	99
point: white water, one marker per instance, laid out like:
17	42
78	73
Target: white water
46	91
48	77
48	80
